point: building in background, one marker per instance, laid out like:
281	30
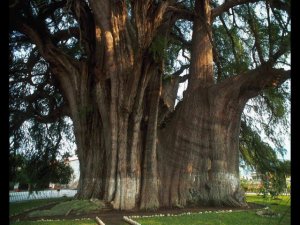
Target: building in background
74	163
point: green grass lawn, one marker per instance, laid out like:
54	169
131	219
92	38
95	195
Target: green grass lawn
61	222
20	207
62	208
234	218
281	206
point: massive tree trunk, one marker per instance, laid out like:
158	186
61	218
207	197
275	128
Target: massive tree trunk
117	102
203	133
205	139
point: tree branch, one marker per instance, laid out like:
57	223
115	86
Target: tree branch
53	115
230	37
65	69
255	33
227	5
283	49
178	72
249	84
48	9
277	4
183	78
101	10
179	11
87	33
181	39
39	35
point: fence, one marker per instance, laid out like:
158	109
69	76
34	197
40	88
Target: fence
24	195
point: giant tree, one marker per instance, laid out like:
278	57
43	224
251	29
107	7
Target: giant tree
114	68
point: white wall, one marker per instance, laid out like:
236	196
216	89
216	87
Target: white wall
74	163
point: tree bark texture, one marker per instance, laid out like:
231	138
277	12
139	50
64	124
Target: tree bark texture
205	140
135	149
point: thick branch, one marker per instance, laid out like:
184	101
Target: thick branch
178	72
227	5
39	35
283	49
277	4
65	34
87	33
251	83
186	44
183	78
101	10
19	117
201	68
179	11
48	9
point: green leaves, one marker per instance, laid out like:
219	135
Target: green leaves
39	169
262	158
275	102
157	48
256	153
231	50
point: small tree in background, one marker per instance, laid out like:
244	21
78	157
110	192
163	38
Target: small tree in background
39	170
274	182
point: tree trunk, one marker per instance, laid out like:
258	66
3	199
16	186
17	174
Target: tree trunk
193	159
198	149
205	139
91	154
117	105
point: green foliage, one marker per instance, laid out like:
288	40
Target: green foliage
256	153
244	184
251	185
274	183
157	48
263	159
36	155
39	170
276	102
35	98
16	161
233	57
268	116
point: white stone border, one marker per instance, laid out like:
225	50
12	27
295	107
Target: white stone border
130	221
181	214
51	220
99	222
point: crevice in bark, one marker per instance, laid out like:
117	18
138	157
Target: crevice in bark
149	187
91	155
